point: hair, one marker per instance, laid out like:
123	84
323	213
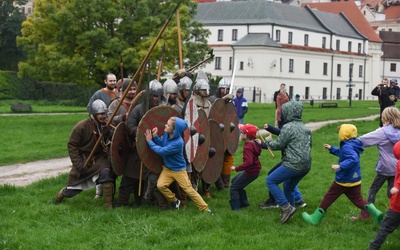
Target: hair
391	115
106	77
173	119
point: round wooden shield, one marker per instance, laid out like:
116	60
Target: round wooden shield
119	149
215	162
191	135
218	113
203	137
155	117
231	129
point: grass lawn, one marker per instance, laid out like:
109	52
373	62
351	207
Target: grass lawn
30	220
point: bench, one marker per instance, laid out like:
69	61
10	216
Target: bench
21	108
328	105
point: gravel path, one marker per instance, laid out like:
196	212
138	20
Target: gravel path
27	173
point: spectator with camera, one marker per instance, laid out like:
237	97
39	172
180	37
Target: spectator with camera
386	95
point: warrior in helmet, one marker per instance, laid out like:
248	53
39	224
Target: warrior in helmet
201	91
121	114
130	178
184	88
170	89
98	170
222	90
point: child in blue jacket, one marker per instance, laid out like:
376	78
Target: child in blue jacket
347	177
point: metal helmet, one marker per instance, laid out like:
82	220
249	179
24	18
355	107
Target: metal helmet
202	84
155	88
98	107
170	87
224	84
185	83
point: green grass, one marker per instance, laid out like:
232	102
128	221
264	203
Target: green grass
30	220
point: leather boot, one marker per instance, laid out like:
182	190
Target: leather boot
220	184
108	194
123	198
372	210
314	218
59	197
161	201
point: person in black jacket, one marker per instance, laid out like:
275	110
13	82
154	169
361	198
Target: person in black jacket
386	96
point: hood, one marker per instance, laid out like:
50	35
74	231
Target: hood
356	144
347	131
392	134
396	150
180	126
292	111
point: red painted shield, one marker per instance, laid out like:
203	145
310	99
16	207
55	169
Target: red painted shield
218	114
119	149
197	139
213	168
231	129
155	117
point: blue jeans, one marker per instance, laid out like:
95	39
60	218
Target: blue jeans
290	180
239	182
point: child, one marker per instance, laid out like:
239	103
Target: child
384	138
170	147
251	167
392	217
295	140
347	177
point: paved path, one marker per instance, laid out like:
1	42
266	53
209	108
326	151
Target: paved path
25	174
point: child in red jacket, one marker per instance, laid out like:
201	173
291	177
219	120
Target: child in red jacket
392	217
250	167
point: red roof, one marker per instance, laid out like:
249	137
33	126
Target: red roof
350	9
392	12
370	3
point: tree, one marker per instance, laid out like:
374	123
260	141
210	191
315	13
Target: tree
80	41
10	27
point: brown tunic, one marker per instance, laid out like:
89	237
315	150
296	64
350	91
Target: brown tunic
81	142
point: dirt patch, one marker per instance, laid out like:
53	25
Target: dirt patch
25	174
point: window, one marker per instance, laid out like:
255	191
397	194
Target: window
360	71
339	70
324	93
338	94
234	34
307	67
324	42
393	67
325	69
220	35
359	48
278	36
349	47
291	64
306	40
337	44
290	38
241	65
217	62
230	63
307	93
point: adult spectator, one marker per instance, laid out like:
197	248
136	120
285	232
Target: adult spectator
281	99
386	96
277	92
240	104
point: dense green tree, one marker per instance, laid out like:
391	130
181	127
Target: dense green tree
80	41
10	27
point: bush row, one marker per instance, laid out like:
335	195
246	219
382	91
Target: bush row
12	87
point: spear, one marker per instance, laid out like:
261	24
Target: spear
161	63
178	25
262	138
132	81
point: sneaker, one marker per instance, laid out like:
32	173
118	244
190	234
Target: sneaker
300	203
268	204
176	204
210	212
287	213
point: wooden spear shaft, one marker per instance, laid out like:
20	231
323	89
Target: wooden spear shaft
262	138
178	25
133	79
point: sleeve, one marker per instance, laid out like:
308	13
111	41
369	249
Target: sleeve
375	92
170	149
372	138
273	130
335	151
245	106
73	147
350	158
247	159
281	142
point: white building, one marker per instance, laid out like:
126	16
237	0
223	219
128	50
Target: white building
313	52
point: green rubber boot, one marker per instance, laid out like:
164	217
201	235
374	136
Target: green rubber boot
378	215
315	218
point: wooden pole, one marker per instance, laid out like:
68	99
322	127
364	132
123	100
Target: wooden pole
262	138
178	25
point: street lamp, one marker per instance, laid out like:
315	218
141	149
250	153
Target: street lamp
350	84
